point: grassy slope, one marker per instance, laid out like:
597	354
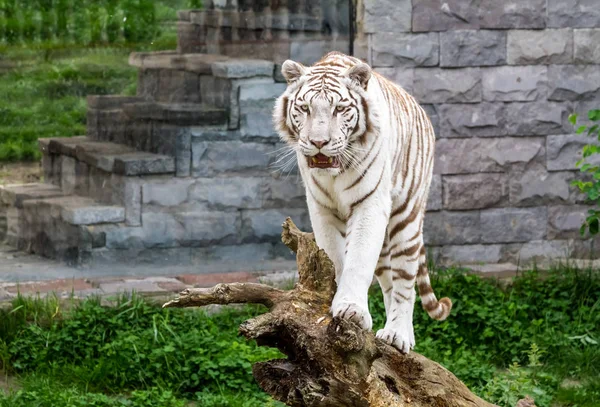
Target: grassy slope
534	338
43	93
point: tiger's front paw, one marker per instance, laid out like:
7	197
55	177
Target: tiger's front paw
402	340
353	312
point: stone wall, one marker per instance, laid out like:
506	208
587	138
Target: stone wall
498	79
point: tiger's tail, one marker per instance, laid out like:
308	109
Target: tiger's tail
436	309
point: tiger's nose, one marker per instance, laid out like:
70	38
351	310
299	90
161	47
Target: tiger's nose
320	143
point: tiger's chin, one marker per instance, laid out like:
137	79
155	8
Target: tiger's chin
321	161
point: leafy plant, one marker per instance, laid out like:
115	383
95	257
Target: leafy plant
590	186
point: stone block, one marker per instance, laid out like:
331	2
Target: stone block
487	155
178	86
142	163
515	83
166	192
393	49
469	254
434	200
445	15
565	221
513	14
574	82
542	118
68	177
435	85
536	186
308	52
265	224
472	48
91	213
530	47
587	46
404	77
206	228
475	191
434	118
215	157
387	16
442	228
232	192
470	120
544	252
183	154
284	192
573	13
242	68
513	225
256	102
234	98
563	151
132	197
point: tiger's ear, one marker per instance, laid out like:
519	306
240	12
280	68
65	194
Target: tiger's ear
292	71
360	74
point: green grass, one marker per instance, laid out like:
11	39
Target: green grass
536	336
44	90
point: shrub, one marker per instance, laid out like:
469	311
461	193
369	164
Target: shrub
590	185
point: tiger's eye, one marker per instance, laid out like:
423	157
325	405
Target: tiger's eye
340	108
304	107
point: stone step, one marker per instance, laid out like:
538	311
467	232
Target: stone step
179	114
106	156
40	219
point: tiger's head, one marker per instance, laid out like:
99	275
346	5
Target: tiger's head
324	111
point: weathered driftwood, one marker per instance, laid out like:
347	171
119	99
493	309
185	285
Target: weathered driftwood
330	362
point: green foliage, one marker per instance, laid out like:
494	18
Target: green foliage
504	342
590	185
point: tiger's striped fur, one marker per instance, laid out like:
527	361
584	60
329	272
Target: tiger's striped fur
367	190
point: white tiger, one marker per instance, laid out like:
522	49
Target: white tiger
365	152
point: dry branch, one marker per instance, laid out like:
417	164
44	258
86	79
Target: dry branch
330	361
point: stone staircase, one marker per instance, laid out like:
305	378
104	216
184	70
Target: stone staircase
178	174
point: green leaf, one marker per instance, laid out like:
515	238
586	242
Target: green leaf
585	167
593	129
579	162
581	129
594	115
573	118
594	226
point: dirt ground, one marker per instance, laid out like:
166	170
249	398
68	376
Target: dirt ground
20	173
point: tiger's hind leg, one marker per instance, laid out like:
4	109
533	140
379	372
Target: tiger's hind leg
406	241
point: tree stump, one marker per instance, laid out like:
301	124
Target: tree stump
330	361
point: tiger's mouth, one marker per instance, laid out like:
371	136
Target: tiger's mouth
323	161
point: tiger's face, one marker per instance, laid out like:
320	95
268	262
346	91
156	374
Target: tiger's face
323	112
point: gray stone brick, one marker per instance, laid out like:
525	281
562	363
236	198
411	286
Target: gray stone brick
141	163
573	13
513	225
93	214
472	48
404	77
515	83
573	82
387	16
565	221
232	192
434	85
513	14
168	192
486	155
543	252
216	157
206	228
434	200
68	177
284	192
132	196
441	228
468	254
308	52
242	68
483	119
563	151
536	186
265	224
530	47
183	154
475	191
434	118
444	15
393	49
256	102
532	119
587	46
